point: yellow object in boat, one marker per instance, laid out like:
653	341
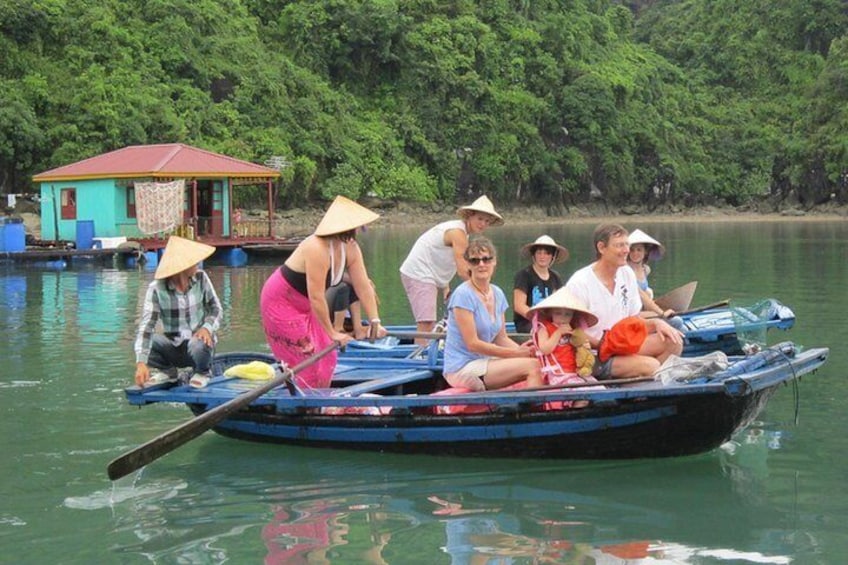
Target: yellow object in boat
253	371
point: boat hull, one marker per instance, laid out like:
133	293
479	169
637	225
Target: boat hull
393	406
672	427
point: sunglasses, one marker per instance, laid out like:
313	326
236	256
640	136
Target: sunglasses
478	260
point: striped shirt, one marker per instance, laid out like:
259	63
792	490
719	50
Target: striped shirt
181	313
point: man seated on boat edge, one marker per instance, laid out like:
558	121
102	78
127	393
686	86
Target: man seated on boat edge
184	299
478	353
609	290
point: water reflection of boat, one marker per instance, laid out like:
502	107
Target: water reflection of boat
394	508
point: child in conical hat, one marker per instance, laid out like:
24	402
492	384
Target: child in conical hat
555	321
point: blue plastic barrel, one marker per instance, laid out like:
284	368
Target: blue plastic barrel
12	237
85	234
233	257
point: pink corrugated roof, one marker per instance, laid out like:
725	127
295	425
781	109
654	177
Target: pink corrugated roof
167	160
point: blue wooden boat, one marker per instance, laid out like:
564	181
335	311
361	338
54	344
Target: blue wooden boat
732	329
725	328
396	405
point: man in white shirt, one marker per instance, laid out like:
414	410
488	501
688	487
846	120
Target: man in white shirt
609	289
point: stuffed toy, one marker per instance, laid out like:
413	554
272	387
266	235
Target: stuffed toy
583	355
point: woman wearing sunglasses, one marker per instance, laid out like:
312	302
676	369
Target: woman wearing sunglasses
478	354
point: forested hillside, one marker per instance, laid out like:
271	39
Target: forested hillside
538	101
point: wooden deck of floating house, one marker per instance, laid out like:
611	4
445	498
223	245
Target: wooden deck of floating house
255	247
61	253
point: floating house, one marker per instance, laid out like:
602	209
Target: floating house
105	197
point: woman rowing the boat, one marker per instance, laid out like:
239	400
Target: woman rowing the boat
295	314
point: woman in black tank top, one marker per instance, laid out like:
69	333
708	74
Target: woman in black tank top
293	305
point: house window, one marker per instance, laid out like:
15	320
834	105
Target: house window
130	202
69	203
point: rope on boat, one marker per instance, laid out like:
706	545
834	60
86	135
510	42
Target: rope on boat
796	390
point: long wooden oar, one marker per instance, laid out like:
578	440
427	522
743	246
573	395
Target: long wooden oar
719	304
416	335
521	337
436	335
170	440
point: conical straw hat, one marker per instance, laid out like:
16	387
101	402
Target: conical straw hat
678	299
484	205
654	253
564	299
344	215
181	254
546	241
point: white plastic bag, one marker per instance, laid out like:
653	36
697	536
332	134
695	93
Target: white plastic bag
681	369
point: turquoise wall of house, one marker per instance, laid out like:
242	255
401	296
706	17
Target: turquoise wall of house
124	225
105	202
96	200
228	228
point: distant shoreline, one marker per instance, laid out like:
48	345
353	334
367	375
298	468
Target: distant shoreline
298	222
409	215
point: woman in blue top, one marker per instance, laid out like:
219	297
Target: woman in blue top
478	354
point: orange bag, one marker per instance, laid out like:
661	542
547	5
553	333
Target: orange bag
624	338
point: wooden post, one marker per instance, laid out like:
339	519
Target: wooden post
194	221
270	209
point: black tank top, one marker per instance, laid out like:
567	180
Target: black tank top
298	280
295	279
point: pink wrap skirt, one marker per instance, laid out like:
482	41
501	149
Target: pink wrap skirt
294	332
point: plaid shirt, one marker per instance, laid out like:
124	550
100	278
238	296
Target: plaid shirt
181	313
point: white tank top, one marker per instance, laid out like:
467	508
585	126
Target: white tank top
336	275
430	260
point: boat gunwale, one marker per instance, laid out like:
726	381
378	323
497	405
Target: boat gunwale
773	374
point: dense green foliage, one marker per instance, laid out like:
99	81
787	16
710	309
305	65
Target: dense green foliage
531	101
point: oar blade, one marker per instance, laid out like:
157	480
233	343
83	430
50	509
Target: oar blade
182	434
678	299
151	451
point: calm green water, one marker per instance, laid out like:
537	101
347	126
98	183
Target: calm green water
776	494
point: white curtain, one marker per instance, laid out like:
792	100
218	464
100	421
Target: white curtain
159	205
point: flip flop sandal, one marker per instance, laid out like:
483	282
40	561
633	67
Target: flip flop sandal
158	378
199	381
